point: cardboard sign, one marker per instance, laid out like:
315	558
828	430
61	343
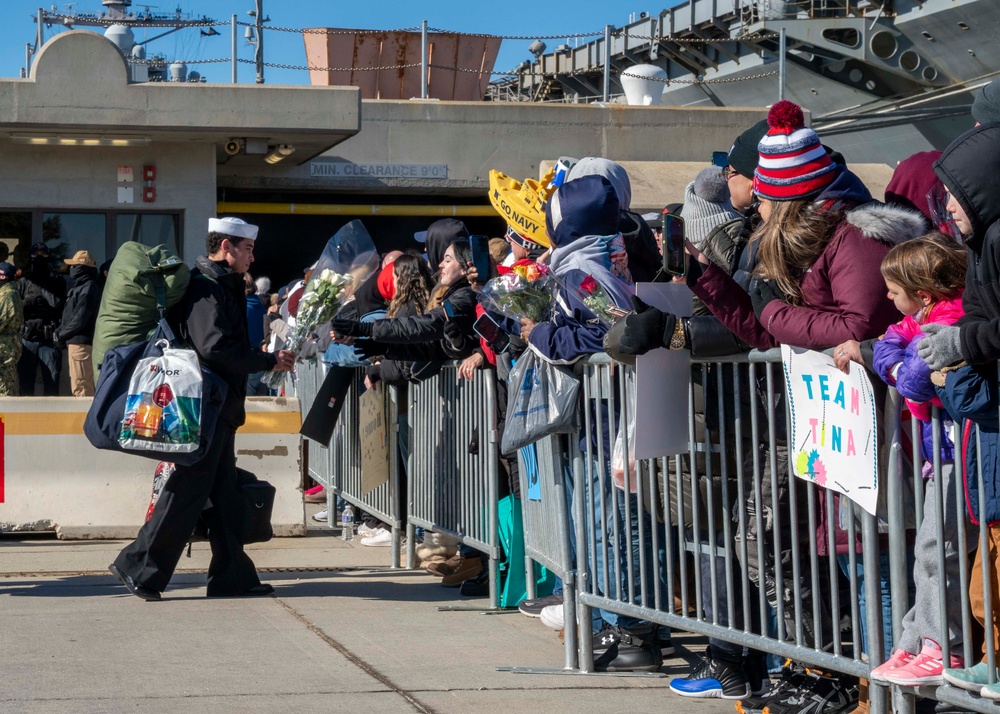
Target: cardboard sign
661	427
373	435
833	428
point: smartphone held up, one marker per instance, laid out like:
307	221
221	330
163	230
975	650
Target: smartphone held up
675	257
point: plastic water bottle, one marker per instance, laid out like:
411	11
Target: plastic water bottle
347	521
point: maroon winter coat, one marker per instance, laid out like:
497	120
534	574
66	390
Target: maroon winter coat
844	291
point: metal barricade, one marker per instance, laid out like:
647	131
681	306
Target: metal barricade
692	544
453	461
383	501
723	539
945	541
310	377
545	508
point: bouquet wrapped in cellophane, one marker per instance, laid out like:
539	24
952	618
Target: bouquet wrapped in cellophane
524	291
320	301
347	259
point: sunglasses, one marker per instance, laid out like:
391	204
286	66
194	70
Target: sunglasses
728	172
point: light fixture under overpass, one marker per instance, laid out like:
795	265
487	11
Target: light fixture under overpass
279	153
79	140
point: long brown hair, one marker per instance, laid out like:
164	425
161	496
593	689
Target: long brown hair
794	236
413	283
933	263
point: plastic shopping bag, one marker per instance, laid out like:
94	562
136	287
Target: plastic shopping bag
626	436
541	400
163	407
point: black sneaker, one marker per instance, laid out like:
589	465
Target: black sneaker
818	694
792	677
533	608
713	678
621	650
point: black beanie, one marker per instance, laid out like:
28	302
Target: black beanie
744	156
986	107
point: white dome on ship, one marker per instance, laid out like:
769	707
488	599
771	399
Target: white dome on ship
122	36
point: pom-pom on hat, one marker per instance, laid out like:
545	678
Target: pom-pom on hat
793	163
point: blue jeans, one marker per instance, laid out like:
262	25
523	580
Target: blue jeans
35	355
886	599
603	504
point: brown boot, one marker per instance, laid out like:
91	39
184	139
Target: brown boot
470	567
445	567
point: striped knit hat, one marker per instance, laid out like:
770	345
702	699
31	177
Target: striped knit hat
793	163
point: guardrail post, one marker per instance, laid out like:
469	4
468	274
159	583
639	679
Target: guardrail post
423	59
606	94
782	49
233	52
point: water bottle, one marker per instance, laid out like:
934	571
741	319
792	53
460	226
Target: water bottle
347	521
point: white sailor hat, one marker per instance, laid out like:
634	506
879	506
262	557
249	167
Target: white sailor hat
236	227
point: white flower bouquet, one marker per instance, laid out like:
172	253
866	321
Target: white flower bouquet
322	298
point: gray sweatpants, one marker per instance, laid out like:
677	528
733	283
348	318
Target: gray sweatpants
924	618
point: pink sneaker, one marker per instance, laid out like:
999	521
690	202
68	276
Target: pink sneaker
898	658
924	669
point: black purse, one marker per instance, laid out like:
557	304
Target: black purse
256	499
258	502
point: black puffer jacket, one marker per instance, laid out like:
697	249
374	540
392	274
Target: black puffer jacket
79	317
644	258
422	337
212	319
42	295
970	169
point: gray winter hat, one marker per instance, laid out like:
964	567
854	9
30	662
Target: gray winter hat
702	215
986	107
711	186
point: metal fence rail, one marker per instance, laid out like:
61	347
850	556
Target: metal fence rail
310	377
545	509
453	462
722	540
383	501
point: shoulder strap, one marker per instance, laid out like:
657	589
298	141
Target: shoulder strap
160	286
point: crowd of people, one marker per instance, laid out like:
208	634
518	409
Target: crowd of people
786	245
47	309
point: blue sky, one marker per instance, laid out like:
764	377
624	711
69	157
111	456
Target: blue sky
520	18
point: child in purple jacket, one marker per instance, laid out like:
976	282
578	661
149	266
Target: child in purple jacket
925	278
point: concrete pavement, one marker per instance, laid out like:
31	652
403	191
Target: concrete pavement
344	632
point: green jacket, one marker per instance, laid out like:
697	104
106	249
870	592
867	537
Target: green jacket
11	320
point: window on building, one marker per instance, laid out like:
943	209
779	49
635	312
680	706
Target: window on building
148	229
15	236
66	233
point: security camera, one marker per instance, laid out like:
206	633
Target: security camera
233	147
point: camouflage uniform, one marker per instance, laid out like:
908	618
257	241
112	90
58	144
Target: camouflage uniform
11	319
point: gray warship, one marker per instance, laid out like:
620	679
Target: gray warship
882	78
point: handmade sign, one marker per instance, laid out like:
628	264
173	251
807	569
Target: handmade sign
832	441
373	432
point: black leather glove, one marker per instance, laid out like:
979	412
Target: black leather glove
645	329
694	271
453	335
368	348
762	293
351	328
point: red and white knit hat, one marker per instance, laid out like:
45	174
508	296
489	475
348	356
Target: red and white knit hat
793	163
